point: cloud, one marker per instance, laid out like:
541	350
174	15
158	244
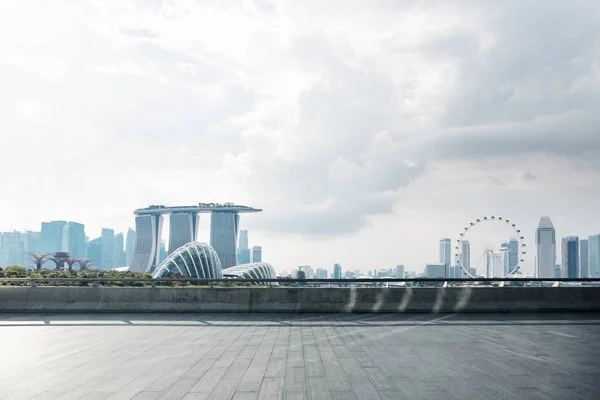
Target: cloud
139	32
329	115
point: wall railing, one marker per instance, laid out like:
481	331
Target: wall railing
287	282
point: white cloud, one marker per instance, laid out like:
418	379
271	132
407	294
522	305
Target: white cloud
384	126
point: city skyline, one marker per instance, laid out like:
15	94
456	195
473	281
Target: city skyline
360	129
113	257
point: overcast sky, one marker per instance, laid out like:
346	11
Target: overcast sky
366	130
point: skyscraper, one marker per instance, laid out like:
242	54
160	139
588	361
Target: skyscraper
31	242
584	271
243	252
594	256
93	250
183	229
465	259
513	256
12	245
51	236
400	271
73	239
570	257
129	246
146	252
445	251
223	236
243	244
337	271
118	254
545	239
106	259
257	254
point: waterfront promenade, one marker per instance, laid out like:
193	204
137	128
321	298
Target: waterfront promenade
299	356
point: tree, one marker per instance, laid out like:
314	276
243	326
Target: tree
300	275
15	271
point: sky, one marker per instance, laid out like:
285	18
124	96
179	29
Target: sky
365	130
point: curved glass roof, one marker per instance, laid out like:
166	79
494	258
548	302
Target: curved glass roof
192	260
258	270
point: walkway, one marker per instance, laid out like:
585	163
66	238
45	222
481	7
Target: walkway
300	356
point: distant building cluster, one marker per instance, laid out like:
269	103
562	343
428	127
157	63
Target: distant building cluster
245	254
580	258
66	237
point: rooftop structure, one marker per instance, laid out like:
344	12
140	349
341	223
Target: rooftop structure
183	228
200	208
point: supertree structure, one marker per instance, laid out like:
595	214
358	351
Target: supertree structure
84	263
38	259
60	258
70	262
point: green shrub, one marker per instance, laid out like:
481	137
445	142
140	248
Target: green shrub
15	271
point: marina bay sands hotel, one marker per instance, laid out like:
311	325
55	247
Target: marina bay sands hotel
183	228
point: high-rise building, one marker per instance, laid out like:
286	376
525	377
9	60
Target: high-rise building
31	242
243	252
244	256
51	236
129	246
243	243
256	253
400	271
106	259
433	271
545	240
73	239
594	256
93	250
465	259
223	236
183	229
445	253
513	256
337	271
13	251
321	273
146	252
118	253
557	271
570	257
584	271
3	257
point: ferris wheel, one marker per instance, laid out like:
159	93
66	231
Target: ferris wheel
490	247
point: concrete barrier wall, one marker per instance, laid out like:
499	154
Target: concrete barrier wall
335	300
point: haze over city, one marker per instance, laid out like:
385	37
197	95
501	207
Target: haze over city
365	134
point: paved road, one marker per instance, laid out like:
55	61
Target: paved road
300	356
